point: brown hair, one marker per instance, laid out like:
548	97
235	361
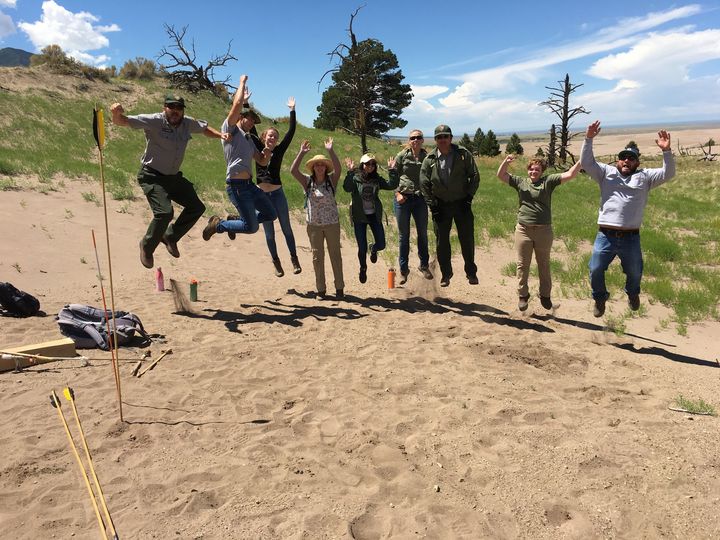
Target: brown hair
263	135
537	161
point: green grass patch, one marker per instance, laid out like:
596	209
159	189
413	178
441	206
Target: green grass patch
697	406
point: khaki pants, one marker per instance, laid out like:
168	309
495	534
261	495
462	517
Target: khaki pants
537	238
318	235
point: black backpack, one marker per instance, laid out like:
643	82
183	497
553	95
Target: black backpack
16	302
87	327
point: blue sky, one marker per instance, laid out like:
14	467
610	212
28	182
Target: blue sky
471	64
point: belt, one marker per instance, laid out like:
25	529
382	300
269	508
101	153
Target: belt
617	233
238	181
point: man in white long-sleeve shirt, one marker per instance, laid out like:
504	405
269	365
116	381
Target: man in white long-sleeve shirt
623	195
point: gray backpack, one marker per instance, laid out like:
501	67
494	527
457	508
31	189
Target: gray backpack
87	327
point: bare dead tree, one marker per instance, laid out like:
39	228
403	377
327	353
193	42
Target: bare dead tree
559	104
183	69
552	147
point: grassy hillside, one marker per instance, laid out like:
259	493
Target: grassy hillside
47	135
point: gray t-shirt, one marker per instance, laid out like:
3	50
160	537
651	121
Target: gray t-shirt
445	164
239	151
165	144
623	198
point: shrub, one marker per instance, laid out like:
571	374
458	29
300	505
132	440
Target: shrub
139	68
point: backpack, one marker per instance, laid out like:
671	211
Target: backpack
17	302
86	326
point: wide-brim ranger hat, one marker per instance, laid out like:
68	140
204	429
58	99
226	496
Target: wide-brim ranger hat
252	114
442	129
319	158
629	152
172	99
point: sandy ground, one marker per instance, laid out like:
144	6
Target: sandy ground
417	412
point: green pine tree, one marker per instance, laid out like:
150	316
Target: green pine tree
513	146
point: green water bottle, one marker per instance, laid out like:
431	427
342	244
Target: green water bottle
193	290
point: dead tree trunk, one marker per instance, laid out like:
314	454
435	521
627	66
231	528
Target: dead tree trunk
559	104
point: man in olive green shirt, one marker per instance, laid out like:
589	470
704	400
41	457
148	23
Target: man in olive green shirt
448	180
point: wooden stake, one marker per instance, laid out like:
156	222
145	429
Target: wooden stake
163	355
56	403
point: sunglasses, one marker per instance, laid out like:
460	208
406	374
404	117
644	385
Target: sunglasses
175	107
417	138
444	136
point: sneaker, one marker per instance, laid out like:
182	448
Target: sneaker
171	246
473	280
279	272
211	227
546	302
403	276
445	281
146	258
373	254
523	303
634	301
363	275
339	294
599	309
231	235
296	265
427	274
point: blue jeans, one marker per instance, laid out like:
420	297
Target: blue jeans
252	204
361	236
605	249
416	207
280	204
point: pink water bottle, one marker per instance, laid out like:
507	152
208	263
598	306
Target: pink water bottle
159	279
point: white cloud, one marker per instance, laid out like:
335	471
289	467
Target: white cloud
7	27
8	3
75	33
427	92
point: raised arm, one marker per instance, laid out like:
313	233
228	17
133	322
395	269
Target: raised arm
571	173
667	171
287	139
238	102
502	173
118	115
295	167
337	168
587	157
215	134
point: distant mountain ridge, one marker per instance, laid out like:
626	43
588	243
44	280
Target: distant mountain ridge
10	57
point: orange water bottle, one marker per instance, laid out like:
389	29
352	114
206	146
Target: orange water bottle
391	278
159	279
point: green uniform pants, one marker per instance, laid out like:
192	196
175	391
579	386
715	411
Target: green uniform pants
443	216
161	191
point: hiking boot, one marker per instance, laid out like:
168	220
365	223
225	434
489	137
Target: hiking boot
599	309
546	302
403	276
171	246
296	265
473	280
321	295
211	227
339	294
523	303
445	281
634	301
427	274
279	272
231	235
146	258
363	275
373	254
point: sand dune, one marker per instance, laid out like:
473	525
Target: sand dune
417	412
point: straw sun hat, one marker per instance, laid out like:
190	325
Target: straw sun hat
319	158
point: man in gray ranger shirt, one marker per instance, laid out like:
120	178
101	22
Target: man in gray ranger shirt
167	135
623	195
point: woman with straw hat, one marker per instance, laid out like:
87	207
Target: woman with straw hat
323	223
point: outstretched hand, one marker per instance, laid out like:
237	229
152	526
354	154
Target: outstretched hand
350	163
329	144
305	147
663	140
291	103
592	130
391	163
